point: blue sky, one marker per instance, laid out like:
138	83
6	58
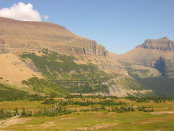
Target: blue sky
119	25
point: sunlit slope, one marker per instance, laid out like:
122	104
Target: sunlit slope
28	36
13	70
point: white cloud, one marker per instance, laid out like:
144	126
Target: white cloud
45	17
22	11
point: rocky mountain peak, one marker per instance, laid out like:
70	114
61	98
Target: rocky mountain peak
164	38
163	44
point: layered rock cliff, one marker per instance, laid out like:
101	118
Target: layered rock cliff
162	44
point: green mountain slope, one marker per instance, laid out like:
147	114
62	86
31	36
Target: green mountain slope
161	86
62	75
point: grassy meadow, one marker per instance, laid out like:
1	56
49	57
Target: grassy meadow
90	113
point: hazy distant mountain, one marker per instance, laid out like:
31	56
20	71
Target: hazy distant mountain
158	54
152	63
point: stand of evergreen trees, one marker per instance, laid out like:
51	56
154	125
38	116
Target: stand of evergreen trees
84	102
54	111
5	114
153	99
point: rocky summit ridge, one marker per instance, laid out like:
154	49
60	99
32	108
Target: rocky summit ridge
163	44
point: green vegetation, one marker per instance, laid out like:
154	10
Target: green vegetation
163	87
145	109
45	86
55	66
151	99
130	83
85	103
60	107
89	113
54	111
5	114
11	94
49	101
63	74
139	71
122	109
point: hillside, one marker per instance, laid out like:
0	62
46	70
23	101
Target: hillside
48	59
154	53
151	63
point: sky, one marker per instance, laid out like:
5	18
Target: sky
119	25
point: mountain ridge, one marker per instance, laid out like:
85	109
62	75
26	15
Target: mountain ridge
62	62
163	44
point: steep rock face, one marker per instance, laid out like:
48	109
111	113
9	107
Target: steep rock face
90	47
163	44
94	49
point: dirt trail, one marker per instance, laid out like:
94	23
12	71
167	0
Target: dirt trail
162	113
12	121
98	126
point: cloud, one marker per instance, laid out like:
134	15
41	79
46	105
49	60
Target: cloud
23	12
45	17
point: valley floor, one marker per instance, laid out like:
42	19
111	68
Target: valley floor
161	119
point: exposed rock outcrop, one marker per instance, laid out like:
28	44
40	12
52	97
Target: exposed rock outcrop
93	48
163	44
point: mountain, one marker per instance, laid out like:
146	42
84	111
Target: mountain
152	64
47	59
30	36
